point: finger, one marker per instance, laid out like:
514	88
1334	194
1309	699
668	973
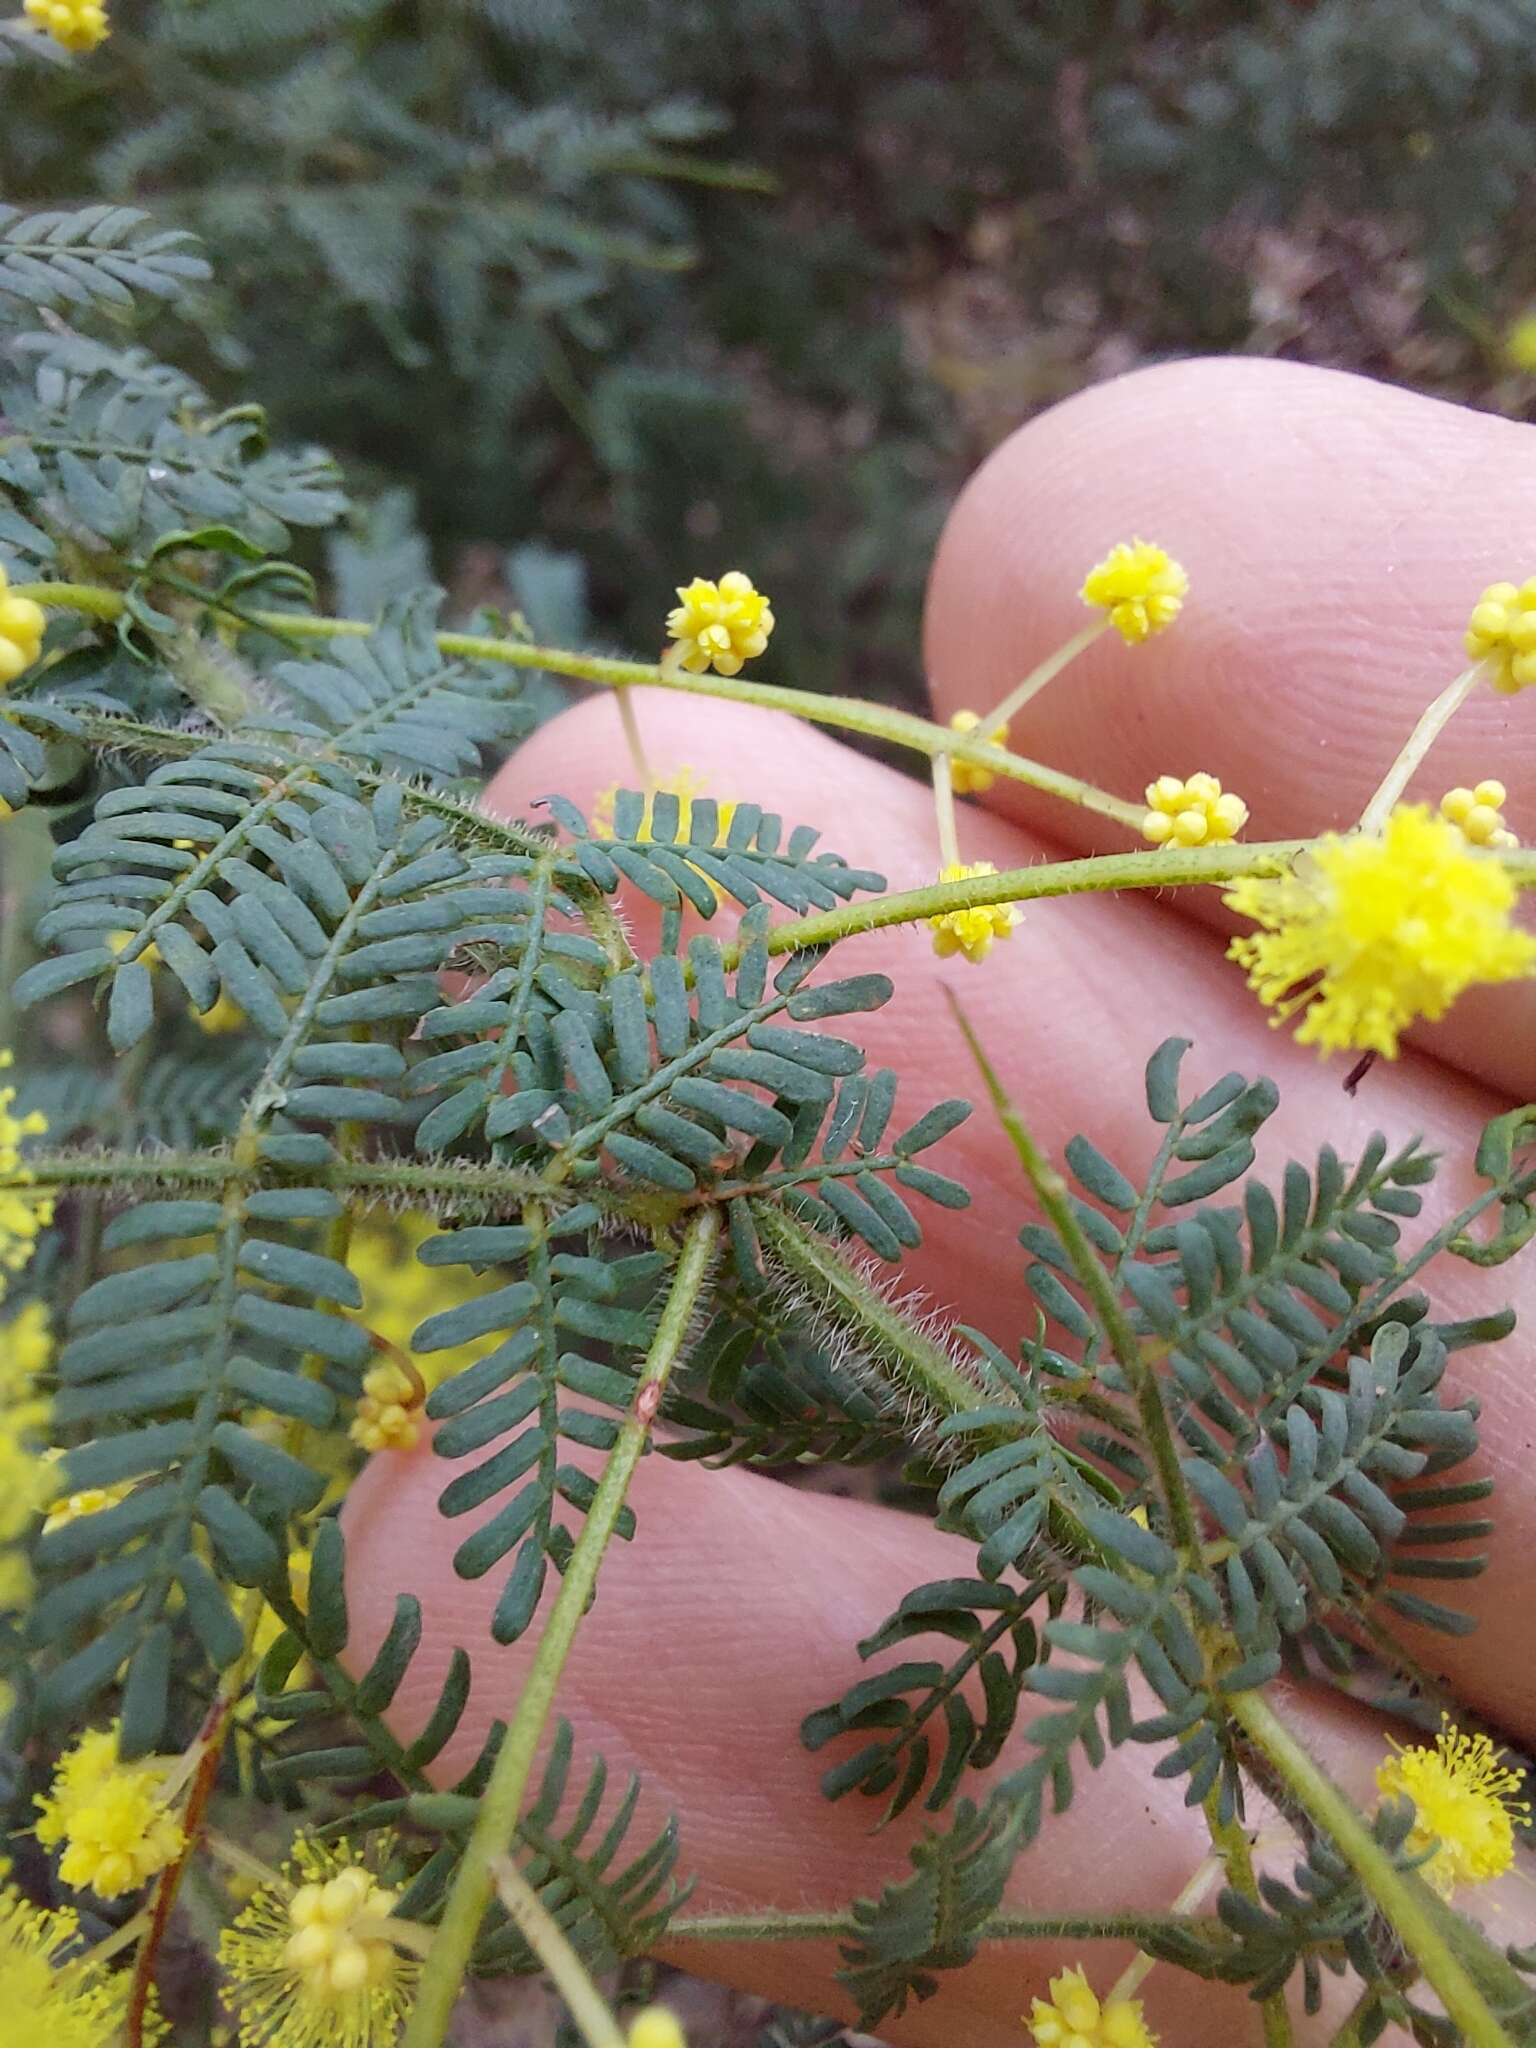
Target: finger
732	1614
1337	533
1069	1010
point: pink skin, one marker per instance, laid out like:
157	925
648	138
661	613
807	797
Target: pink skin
739	1604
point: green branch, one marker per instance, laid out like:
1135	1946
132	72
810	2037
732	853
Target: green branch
850	714
1141	1928
501	1801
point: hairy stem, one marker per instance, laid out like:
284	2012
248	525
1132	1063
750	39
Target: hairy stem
923	1366
1137	1927
850	714
501	1802
1402	1898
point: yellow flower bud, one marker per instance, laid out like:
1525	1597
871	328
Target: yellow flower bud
1501	633
1140	586
719	625
1193	812
972	931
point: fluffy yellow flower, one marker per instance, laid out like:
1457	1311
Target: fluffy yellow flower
1370	932
971	932
388	1414
1502	633
111	1817
80	25
1141	587
1192	812
309	1963
654	2026
23	1213
1520	343
65	1508
966	778
719	625
1075	2017
1479	814
52	1996
21	621
1465	1802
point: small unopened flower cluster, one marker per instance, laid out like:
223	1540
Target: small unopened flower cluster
1140	587
970	779
388	1416
112	1819
1074	2016
719	625
1195	811
971	931
79	25
1478	814
1501	633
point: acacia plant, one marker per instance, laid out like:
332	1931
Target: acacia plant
338	1103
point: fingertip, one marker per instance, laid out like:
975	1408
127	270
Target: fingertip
1336	532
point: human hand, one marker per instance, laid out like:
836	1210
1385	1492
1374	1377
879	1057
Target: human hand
1336	533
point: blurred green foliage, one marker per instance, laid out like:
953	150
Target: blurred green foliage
668	285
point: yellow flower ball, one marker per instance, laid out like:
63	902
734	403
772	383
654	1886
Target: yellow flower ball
310	1960
1075	2017
719	625
78	25
1140	586
1371	931
110	1818
1501	633
1478	814
1194	811
388	1414
972	931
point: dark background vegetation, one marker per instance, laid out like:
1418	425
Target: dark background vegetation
625	289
